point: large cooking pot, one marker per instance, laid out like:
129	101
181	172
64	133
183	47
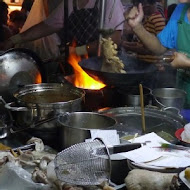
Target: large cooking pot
19	67
156	120
135	72
39	103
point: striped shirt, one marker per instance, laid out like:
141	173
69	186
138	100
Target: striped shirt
160	8
153	24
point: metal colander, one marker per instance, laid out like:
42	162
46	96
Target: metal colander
85	163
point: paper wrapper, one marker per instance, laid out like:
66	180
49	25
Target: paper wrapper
185	135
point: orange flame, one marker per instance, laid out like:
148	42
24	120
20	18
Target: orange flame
81	78
38	79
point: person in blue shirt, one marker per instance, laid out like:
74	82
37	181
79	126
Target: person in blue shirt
176	35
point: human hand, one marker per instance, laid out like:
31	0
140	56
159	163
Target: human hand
135	16
180	60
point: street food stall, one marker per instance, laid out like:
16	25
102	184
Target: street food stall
94	128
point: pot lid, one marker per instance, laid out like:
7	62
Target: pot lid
18	67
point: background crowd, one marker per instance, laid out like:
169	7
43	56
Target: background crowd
11	22
156	16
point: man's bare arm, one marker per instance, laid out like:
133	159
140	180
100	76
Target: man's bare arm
135	18
35	32
149	40
38	31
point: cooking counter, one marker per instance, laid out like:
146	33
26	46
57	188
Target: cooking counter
119	167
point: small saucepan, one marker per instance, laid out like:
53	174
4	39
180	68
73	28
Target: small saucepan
169	97
130	96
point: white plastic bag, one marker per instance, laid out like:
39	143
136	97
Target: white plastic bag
15	177
46	47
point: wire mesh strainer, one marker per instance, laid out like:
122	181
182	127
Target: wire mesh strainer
85	163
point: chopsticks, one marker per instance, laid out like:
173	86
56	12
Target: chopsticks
173	146
142	108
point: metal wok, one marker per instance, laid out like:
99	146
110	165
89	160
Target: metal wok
136	72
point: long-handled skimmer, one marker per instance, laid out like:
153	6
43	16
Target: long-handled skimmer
88	163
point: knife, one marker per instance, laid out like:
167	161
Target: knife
124	147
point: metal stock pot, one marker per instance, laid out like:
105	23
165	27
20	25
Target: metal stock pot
156	120
39	103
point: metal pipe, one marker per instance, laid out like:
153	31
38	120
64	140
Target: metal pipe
66	65
101	26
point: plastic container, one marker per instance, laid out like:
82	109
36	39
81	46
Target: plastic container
186	114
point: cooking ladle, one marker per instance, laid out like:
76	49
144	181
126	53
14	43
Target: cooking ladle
108	32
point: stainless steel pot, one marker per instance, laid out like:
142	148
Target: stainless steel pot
169	97
156	120
75	127
40	102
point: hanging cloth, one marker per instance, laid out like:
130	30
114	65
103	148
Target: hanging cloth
83	24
